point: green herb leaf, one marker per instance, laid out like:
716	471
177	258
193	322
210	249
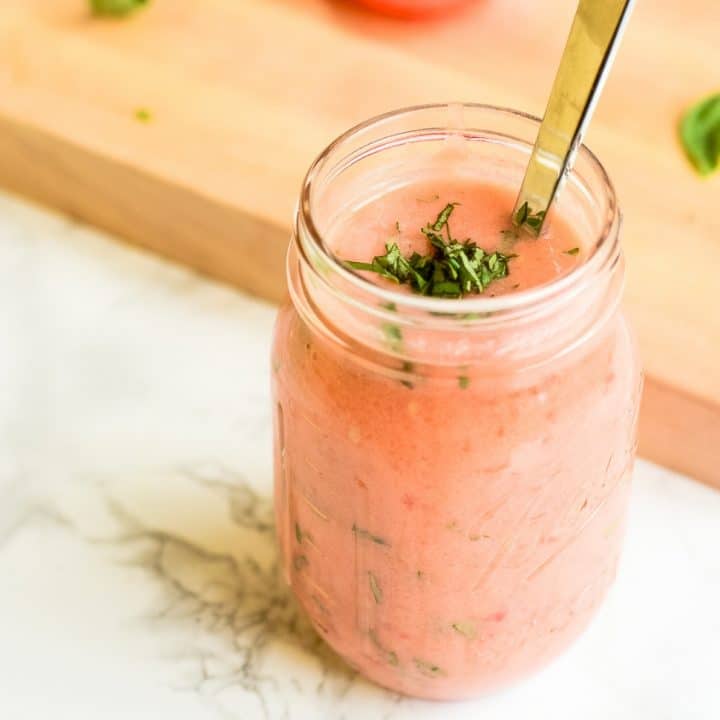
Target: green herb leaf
572	251
525	217
299	562
298	533
472	316
356	265
375	588
393	336
522	214
465	628
116	8
534	222
474	537
407	367
443	217
464	382
428	669
392	332
450	269
446	289
365	535
700	134
143	115
390	655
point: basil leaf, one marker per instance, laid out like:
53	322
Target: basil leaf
700	134
450	269
116	8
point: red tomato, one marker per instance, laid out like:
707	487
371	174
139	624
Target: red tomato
413	8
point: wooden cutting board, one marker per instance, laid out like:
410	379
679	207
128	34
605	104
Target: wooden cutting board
242	94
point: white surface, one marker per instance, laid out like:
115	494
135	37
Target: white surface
136	552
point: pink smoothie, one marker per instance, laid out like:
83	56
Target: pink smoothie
482	214
450	530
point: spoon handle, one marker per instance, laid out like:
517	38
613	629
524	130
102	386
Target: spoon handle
589	53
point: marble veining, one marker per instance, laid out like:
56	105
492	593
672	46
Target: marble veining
139	573
223	591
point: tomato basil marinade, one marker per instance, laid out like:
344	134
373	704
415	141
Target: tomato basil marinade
451	515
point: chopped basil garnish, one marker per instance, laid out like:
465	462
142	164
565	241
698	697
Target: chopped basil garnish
450	269
392	333
474	537
428	669
473	316
375	588
572	251
298	533
464	382
321	606
390	655
465	628
365	535
407	367
525	217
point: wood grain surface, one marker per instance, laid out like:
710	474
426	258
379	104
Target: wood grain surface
243	94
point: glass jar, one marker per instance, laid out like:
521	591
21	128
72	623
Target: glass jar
451	476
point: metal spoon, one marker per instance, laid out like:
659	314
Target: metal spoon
589	53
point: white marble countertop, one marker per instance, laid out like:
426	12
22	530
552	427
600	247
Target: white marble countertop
137	561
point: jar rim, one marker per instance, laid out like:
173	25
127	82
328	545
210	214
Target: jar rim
605	253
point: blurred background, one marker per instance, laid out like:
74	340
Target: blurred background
134	417
186	127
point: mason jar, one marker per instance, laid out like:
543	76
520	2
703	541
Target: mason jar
451	475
